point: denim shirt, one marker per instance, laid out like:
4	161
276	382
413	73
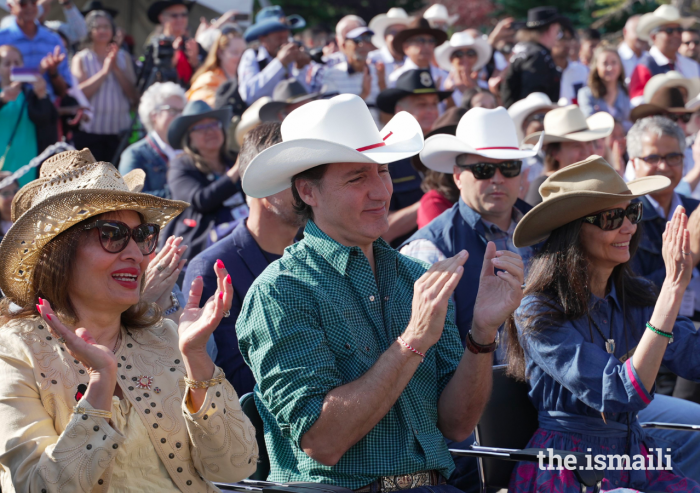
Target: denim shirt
590	105
142	155
573	379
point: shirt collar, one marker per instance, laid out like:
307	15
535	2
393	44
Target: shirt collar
473	218
675	202
658	57
611	296
165	147
333	252
263	54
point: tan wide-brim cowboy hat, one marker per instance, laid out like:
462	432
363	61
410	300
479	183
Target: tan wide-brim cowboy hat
671	79
379	24
576	191
463	41
336	130
665	14
72	187
665	100
250	118
568	124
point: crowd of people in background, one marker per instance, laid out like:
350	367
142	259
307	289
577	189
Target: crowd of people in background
515	118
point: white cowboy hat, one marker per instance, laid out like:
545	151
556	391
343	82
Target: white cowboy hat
693	104
521	109
568	124
671	79
438	12
395	15
463	40
250	118
336	130
484	132
665	14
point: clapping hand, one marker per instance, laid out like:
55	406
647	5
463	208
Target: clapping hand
499	293
79	344
676	251
197	324
431	295
163	271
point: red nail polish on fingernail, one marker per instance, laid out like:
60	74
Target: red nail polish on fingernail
221	295
41	301
48	316
219	264
37	308
228	279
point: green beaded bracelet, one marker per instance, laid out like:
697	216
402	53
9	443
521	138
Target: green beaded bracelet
668	335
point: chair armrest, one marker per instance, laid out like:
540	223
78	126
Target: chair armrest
671	426
248	486
585	476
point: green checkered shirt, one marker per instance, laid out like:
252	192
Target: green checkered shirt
315	320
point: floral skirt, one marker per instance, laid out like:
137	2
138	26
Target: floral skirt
528	477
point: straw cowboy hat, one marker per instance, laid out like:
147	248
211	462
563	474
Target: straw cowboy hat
71	187
460	41
250	119
520	110
438	13
483	132
568	124
665	100
379	24
336	130
577	191
665	14
671	79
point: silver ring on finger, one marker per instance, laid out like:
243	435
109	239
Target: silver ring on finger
522	286
160	267
227	313
685	253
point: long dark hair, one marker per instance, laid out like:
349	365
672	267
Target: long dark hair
558	275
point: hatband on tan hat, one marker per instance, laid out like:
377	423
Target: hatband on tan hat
72	188
577	191
568	124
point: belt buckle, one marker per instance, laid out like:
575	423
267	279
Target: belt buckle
400	482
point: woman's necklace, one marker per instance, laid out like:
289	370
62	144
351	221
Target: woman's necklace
119	339
609	343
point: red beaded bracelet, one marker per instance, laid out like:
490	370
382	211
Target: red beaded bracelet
412	348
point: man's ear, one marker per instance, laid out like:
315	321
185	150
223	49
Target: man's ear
307	192
456	173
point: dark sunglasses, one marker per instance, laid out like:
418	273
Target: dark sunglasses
486	171
676	117
460	53
672	159
671	30
362	38
613	219
115	236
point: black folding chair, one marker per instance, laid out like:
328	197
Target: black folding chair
506	426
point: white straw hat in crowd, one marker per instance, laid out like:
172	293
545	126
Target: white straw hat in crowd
438	13
521	109
336	130
379	24
462	40
481	131
568	124
665	14
671	79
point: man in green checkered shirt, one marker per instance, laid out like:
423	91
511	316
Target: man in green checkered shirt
359	367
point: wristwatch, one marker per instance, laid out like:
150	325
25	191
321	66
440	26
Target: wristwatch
476	348
174	308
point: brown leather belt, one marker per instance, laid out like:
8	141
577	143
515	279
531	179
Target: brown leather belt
387	484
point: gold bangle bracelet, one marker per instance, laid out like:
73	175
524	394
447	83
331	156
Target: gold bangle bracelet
97	413
195	384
